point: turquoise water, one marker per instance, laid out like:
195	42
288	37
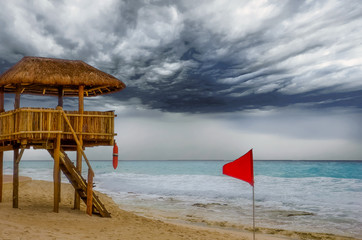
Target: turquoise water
329	191
287	169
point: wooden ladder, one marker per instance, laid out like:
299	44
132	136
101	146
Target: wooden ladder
79	183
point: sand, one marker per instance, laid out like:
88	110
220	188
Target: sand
34	219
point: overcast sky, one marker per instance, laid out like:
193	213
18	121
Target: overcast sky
207	79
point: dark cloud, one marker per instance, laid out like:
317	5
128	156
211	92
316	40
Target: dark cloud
202	56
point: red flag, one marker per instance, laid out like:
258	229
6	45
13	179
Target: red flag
241	168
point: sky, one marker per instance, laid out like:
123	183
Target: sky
206	79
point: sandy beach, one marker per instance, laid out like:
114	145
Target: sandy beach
35	220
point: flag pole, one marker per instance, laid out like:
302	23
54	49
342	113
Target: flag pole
243	169
253	215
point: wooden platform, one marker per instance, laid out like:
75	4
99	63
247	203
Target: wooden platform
58	131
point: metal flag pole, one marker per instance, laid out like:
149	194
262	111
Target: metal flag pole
243	169
253	215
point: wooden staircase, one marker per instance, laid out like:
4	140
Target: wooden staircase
79	183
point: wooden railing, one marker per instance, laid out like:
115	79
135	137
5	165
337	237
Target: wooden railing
42	124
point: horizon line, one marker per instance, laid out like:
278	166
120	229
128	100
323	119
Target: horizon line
256	160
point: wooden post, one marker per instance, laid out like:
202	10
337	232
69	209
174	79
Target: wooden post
2	99
16	179
60	104
1	152
79	129
17	98
16	154
1	174
90	192
17	158
60	96
56	174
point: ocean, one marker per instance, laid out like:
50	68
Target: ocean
310	196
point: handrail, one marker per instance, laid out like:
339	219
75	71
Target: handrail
75	137
90	170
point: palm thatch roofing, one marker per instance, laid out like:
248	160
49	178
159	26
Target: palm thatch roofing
47	76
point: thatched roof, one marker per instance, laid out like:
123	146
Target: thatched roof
38	75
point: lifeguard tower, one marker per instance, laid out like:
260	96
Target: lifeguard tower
56	130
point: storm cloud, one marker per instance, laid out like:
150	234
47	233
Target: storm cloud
201	56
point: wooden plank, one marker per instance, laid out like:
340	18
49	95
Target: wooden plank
60	96
11	123
49	124
28	123
56	178
56	173
16	154
17	98
2	99
16	179
8	113
43	110
92	133
2	109
29	132
112	127
86	115
41	124
90	193
1	174
6	148
59	128
20	156
80	145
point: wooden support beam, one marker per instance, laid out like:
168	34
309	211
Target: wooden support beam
90	192
2	99
17	98
16	155
1	175
16	178
20	156
80	130
60	104
17	158
6	148
56	173
60	96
